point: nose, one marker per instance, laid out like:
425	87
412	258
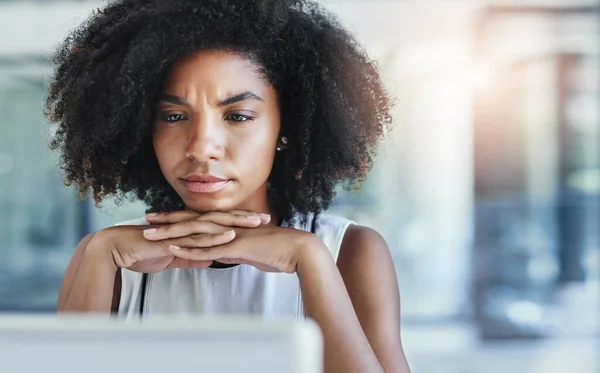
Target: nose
205	141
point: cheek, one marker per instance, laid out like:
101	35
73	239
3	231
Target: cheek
163	148
257	156
254	156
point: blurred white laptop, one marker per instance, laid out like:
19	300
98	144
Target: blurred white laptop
74	344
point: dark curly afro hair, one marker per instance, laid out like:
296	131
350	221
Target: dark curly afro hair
108	76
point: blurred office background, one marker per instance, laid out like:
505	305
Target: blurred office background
487	190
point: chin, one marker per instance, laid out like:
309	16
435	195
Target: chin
205	204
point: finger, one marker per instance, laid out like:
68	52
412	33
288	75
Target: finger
183	229
223	217
221	253
232	253
265	218
231	220
172	217
203	240
186	215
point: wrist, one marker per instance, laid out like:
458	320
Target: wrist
100	251
311	250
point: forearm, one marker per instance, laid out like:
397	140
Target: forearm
326	301
91	290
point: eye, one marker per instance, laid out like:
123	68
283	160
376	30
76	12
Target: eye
173	118
238	118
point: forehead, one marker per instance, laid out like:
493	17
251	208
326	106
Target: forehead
210	69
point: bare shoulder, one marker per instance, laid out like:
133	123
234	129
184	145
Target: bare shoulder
366	266
363	243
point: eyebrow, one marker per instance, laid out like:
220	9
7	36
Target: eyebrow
247	95
171	99
176	100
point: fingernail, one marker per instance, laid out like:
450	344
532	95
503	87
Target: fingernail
228	232
266	216
150	231
152	215
173	247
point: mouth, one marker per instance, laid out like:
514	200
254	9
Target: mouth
204	183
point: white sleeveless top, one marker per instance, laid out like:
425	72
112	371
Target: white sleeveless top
239	290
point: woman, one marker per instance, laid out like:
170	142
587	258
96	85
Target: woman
235	121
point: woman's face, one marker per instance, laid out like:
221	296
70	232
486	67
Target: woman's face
215	132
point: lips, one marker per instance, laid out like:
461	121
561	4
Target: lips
203	179
204	183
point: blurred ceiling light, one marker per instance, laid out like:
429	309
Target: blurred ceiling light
587	181
525	313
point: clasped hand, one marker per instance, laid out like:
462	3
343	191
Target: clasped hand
186	239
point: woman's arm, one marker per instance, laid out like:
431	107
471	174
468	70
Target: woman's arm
71	271
89	282
356	306
92	282
368	271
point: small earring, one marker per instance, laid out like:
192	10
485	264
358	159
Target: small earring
283	141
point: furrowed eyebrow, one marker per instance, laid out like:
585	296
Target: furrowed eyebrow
175	100
240	97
